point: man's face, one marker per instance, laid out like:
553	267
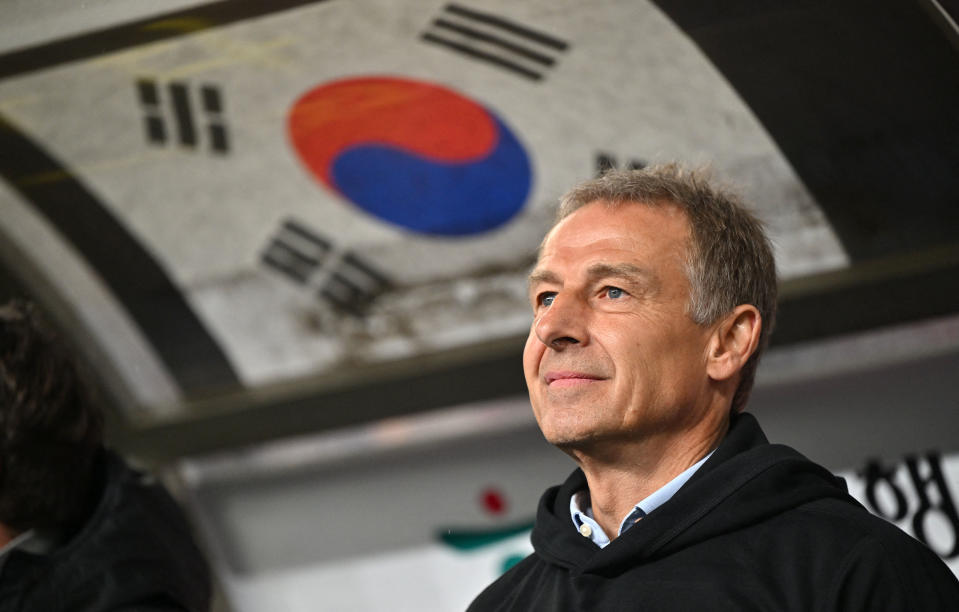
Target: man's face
611	353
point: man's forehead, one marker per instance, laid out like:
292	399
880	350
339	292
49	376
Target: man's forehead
619	217
625	239
564	240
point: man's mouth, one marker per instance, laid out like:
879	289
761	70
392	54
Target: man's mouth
569	378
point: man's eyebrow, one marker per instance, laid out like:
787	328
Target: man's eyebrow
623	270
601	270
542	276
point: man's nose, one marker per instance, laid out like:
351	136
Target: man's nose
563	323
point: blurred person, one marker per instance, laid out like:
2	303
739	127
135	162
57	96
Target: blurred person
654	295
80	531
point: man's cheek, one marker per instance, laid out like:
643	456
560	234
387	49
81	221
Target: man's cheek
532	354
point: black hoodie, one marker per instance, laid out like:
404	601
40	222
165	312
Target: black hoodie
758	527
134	552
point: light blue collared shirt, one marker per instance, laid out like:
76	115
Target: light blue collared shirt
582	512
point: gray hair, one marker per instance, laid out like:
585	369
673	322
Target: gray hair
730	259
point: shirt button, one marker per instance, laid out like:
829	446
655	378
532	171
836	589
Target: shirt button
585	530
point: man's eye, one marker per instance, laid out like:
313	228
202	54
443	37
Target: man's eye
546	299
614	293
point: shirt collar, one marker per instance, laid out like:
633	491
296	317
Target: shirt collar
33	541
20	541
581	511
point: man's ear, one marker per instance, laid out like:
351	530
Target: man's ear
733	342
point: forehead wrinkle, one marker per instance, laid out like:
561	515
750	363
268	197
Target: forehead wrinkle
619	269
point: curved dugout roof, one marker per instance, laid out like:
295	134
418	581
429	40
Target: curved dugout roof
217	201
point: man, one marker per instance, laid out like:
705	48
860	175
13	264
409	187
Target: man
653	297
79	530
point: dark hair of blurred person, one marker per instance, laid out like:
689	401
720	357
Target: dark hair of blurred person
79	529
50	429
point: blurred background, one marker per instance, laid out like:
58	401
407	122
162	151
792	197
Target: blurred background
291	240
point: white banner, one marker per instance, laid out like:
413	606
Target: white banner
347	183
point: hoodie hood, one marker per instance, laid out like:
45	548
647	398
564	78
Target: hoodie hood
745	481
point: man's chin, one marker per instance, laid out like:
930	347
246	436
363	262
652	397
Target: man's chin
572	442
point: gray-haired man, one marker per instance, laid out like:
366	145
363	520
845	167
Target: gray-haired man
653	297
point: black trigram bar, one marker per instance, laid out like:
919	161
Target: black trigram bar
296	251
606	162
181	107
495	40
180	97
153	116
213	105
353	286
